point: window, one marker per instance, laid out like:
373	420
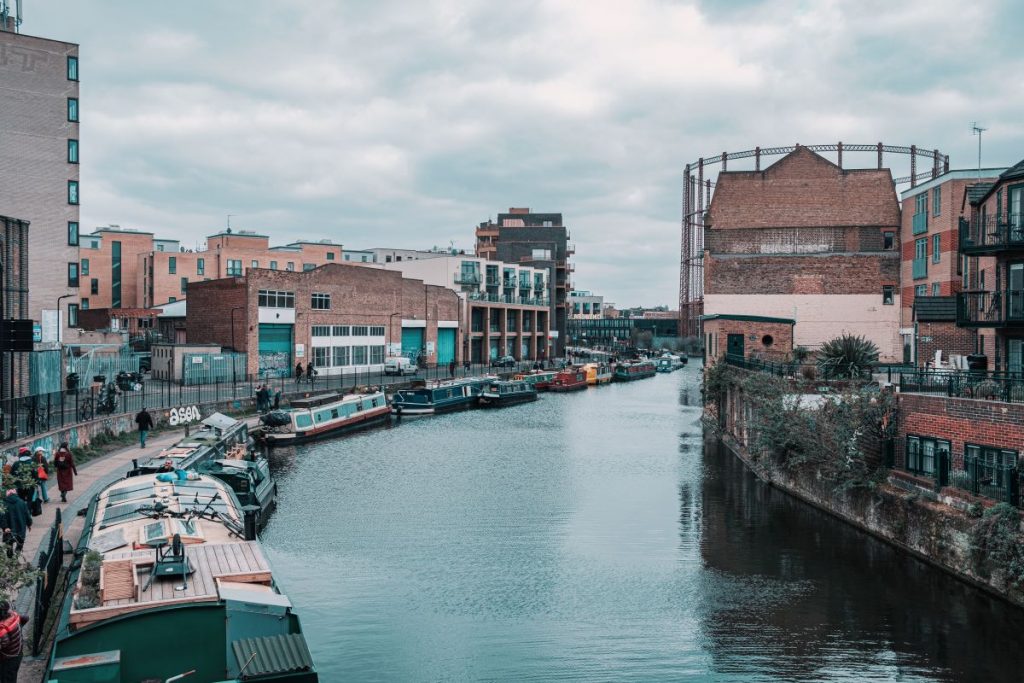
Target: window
85	266
937	201
159	247
72	274
172	264
376	355
320	356
321	331
340	331
330	256
73	234
234	267
72	315
269	298
94	286
321	302
306	267
921	248
921	203
995	465
72	151
936	289
888	292
200	266
922	453
341	355
290	266
888	240
360	331
377	331
921	290
358	355
73	109
387	259
364	258
254	264
72	192
184	285
348	257
115	274
273	265
936	248
171	299
72	68
85	304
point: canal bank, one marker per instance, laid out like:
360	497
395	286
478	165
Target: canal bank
597	536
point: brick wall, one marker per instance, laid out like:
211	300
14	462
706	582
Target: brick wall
786	240
716	335
810	274
208	316
945	337
804	189
961	420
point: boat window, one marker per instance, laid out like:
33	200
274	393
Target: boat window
334	413
303	421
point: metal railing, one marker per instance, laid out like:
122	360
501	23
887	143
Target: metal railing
992	234
989	386
467	278
920	223
986	479
920	268
995	308
50	562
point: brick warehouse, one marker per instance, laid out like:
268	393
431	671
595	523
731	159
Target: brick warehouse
343	318
808	240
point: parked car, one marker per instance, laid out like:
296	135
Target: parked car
503	362
399	365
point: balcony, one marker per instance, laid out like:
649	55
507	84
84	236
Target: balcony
920	224
467	278
492	281
990	309
992	235
920	268
510	283
570	248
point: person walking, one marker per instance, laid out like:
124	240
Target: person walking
145	422
277	399
451	368
64	462
23	478
298	373
11	642
311	373
262	398
17	519
42	473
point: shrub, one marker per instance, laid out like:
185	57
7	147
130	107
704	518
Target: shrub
89	591
847	357
996	545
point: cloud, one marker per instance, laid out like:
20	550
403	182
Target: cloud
408	123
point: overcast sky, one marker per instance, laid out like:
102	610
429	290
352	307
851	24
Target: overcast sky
385	123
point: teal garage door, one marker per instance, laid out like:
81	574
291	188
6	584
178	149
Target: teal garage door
412	342
445	345
275	350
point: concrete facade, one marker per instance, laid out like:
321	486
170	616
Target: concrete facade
807	240
359	318
586	305
39	177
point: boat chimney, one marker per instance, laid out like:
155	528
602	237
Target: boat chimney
250	514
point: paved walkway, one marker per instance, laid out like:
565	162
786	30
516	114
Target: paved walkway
93	477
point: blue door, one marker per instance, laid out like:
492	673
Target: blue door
412	342
275	350
445	345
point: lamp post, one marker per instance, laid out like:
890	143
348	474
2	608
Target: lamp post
59	299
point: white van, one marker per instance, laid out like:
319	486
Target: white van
399	365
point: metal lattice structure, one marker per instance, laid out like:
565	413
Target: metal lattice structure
697	198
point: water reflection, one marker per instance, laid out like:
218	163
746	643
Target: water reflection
593	536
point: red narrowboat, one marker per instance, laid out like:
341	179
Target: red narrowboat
570	379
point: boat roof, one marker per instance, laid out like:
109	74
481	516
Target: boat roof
333	397
127	538
220	421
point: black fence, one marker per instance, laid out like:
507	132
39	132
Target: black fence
990	386
809	371
50	562
28	416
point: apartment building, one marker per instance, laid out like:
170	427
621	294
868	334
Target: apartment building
806	240
341	317
931	270
504	306
586	305
39	179
539	240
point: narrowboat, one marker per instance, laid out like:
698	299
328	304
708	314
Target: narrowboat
629	371
169	582
539	379
250	480
665	365
321	416
438	397
570	379
501	393
598	373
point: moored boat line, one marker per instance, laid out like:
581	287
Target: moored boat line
570	379
321	416
633	370
501	393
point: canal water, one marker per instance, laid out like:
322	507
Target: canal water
596	537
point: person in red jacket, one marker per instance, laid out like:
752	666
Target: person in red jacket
10	642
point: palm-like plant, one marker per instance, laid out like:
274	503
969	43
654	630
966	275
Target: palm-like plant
849	356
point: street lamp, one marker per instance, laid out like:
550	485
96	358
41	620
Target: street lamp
59	299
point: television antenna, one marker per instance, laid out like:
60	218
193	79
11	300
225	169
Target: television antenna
978	130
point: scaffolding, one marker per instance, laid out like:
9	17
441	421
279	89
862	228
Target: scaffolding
696	199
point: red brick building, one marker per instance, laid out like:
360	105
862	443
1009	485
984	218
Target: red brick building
807	240
750	336
343	318
992	240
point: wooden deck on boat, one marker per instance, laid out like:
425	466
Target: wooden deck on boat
241	562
